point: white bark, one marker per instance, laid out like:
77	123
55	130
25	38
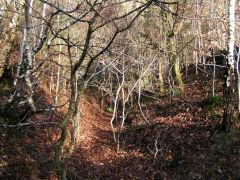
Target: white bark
195	40
59	67
213	51
231	41
228	92
29	57
41	34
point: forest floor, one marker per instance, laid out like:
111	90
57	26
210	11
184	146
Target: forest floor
181	141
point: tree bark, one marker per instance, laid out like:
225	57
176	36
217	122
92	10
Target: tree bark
161	83
173	31
175	63
59	67
211	26
228	115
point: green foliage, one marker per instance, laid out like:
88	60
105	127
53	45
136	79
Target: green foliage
211	102
213	116
109	109
178	92
212	107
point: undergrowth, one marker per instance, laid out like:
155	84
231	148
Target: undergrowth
212	105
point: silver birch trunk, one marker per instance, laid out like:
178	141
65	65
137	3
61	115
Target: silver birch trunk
231	33
211	24
29	56
59	67
195	54
228	93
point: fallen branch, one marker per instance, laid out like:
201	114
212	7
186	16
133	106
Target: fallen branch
29	124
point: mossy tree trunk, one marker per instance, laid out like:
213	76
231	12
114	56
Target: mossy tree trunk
61	162
82	65
174	61
175	64
146	79
174	26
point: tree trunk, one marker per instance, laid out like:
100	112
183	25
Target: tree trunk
161	83
238	82
228	115
171	41
211	26
175	63
59	67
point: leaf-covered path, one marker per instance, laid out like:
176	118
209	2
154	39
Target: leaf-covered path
182	142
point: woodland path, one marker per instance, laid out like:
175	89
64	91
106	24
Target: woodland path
183	132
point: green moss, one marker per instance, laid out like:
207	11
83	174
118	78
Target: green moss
212	101
212	107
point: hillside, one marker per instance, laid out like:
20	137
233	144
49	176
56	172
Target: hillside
182	141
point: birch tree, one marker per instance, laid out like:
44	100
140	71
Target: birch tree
229	84
211	26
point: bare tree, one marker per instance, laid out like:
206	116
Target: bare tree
94	20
